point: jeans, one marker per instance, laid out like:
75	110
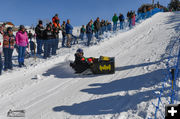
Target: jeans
7	58
121	25
1	66
63	40
109	27
47	48
82	36
75	39
21	55
130	23
39	46
106	28
54	45
89	36
57	43
114	26
97	34
103	29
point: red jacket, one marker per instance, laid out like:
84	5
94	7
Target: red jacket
56	21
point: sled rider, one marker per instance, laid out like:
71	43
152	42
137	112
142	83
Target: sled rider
81	63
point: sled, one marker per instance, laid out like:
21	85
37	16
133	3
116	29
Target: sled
16	113
101	65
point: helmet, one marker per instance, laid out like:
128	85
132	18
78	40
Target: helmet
79	50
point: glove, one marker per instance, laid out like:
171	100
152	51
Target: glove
71	64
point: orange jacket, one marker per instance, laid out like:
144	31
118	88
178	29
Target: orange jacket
56	21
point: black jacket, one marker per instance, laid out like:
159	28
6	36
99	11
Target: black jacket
48	34
97	25
56	32
39	32
121	18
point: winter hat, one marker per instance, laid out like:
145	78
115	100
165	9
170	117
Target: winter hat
21	27
56	14
40	22
9	29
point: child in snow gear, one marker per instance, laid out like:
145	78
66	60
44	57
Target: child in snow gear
32	47
8	47
30	35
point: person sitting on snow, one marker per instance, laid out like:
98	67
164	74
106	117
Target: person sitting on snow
81	63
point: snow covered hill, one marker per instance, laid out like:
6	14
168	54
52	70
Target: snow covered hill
48	89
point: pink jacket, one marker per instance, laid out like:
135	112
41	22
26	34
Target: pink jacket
21	38
134	20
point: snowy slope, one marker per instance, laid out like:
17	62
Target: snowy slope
140	58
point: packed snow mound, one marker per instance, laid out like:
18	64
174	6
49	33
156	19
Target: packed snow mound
141	55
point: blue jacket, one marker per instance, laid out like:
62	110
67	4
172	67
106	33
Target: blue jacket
69	29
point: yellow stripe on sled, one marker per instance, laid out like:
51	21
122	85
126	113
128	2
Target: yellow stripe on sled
105	58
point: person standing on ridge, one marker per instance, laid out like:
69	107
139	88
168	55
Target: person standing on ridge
69	29
115	20
55	41
56	21
97	28
48	36
39	36
89	33
121	19
83	30
63	29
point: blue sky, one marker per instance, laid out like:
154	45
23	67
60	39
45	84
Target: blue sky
28	12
